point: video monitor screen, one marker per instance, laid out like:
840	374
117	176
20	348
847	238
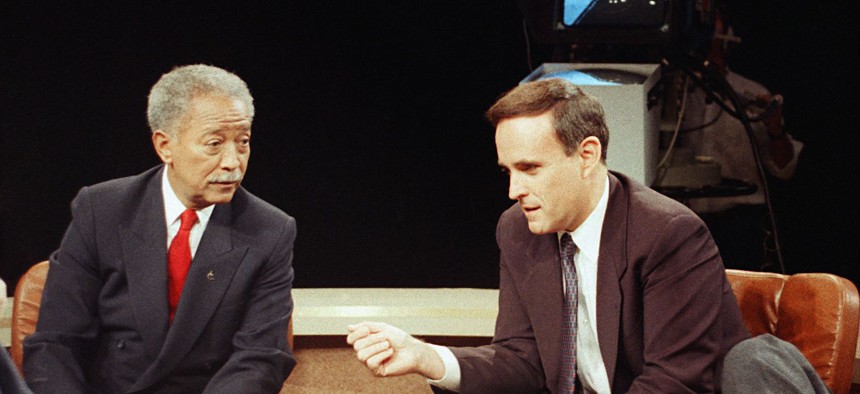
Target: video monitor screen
632	14
649	22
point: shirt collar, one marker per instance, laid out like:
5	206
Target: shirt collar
587	235
173	208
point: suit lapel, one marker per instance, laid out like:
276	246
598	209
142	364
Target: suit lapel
210	275
611	266
544	300
144	248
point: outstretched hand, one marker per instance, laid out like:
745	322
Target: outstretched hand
389	351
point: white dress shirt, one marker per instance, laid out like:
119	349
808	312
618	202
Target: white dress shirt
589	361
173	209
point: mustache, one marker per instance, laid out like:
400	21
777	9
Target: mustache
232	176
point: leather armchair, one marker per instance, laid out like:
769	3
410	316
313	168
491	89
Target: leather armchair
818	313
25	309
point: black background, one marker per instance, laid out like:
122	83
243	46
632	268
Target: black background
369	125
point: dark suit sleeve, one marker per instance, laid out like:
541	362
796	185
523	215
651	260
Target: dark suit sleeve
683	281
54	355
261	359
511	364
10	379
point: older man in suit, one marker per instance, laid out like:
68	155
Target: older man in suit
175	280
605	285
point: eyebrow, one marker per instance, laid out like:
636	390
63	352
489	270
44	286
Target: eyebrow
523	163
218	130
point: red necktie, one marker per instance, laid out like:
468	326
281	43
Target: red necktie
179	260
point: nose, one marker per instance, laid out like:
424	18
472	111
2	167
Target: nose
516	189
230	157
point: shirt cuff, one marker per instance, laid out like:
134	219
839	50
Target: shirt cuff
451	380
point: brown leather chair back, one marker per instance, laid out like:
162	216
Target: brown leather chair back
818	313
25	309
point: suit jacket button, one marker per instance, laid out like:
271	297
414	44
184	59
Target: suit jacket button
120	344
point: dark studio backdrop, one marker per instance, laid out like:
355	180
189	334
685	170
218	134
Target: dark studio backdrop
369	125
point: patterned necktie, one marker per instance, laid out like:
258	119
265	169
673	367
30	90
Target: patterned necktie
567	376
179	260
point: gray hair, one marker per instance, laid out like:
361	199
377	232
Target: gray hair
170	97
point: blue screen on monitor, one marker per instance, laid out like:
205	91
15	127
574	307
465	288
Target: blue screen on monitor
615	13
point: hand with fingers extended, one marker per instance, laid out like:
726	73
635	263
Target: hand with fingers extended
389	351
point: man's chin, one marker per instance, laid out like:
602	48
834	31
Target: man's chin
222	196
538	228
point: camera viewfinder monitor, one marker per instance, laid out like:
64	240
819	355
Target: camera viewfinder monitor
646	22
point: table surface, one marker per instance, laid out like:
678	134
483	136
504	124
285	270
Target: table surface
427	312
6	323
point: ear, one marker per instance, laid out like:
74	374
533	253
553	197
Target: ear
590	152
161	141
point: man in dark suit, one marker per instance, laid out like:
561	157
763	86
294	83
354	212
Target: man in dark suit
638	301
175	280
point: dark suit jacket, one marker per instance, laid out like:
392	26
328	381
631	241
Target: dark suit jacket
103	324
666	314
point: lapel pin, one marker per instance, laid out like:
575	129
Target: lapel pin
210	275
